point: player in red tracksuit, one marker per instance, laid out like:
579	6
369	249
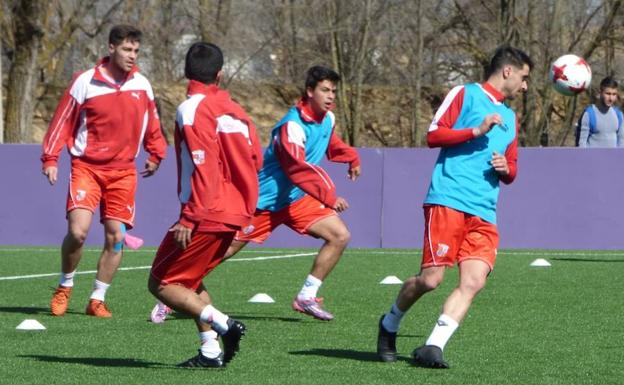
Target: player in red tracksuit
218	155
104	116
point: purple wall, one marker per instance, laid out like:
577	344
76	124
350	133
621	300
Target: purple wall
564	198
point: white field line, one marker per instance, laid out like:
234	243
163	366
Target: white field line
544	253
148	267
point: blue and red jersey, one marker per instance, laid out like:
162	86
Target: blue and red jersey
291	161
463	177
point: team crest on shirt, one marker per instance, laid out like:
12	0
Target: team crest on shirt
199	157
442	250
248	229
81	195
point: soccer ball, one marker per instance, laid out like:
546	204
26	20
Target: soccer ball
570	75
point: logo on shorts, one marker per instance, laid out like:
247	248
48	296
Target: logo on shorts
248	229
81	195
135	95
442	250
130	208
199	157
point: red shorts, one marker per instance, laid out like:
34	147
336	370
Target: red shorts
453	236
188	267
299	216
112	190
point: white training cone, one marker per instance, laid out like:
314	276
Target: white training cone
540	262
261	298
391	280
30	324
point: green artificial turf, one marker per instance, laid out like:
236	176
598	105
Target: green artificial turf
547	325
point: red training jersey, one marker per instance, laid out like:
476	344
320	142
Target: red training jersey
103	123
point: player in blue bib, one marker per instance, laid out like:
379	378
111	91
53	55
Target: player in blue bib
477	134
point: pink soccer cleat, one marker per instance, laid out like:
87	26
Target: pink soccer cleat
312	307
160	312
133	242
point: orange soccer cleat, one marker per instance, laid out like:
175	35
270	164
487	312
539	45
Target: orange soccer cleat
98	308
60	300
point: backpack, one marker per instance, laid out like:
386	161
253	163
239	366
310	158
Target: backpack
592	122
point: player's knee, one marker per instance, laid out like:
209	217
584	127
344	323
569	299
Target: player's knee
77	235
429	282
341	237
114	237
472	286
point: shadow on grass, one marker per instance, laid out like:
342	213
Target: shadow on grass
261	317
31	310
98	361
345	354
182	316
567	259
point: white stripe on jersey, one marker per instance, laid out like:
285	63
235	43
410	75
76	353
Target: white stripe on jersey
185	115
444	106
228	125
56	131
295	133
143	129
80	142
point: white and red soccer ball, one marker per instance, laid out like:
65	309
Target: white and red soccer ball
570	75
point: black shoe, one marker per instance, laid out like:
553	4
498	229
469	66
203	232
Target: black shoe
201	361
429	356
386	343
231	339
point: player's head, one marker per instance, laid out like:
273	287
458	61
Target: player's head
204	63
510	67
123	46
608	91
320	88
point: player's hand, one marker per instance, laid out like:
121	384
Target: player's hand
354	173
51	172
150	169
488	123
181	235
499	162
341	205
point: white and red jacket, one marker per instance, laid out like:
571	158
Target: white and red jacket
103	124
219	155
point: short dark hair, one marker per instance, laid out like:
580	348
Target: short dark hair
317	74
122	32
608	82
203	62
508	55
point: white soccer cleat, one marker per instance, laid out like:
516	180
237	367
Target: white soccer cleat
159	313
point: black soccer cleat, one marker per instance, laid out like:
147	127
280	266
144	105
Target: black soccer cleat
231	339
202	362
386	343
429	356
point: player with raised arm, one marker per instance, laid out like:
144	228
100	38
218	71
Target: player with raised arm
477	134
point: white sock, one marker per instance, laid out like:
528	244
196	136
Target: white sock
67	279
310	287
215	318
99	290
209	344
392	320
442	332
